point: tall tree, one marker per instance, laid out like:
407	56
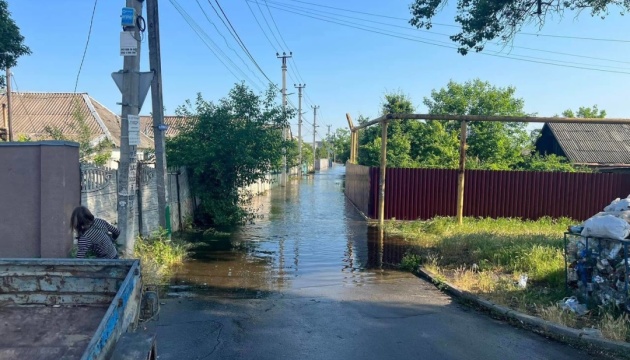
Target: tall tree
496	143
485	20
585	112
229	145
11	40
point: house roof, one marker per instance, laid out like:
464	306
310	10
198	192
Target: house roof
593	143
174	124
33	112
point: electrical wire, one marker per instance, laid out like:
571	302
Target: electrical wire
268	26
239	40
87	43
208	42
261	28
450	46
226	42
308	10
276	26
458	26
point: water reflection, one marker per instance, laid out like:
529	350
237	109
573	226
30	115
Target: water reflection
307	235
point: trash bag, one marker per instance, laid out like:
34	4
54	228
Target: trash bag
607	226
618	205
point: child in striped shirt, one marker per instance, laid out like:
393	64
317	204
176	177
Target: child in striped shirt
93	234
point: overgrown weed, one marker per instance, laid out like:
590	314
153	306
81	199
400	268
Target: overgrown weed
160	256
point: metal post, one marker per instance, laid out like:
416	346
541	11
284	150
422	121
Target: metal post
460	178
9	109
128	155
155	61
381	199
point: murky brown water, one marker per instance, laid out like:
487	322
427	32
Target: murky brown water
308	235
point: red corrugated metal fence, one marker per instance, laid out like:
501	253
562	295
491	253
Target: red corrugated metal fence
425	193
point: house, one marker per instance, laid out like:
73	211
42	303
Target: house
602	146
174	124
35	114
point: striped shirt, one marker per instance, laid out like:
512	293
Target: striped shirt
97	239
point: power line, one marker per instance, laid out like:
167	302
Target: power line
240	41
449	46
76	83
261	28
205	38
226	42
309	10
458	26
276	26
268	26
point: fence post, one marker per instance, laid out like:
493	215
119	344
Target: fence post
460	177
381	199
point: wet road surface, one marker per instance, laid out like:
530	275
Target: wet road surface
306	281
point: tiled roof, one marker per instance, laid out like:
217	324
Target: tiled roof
174	124
593	143
33	112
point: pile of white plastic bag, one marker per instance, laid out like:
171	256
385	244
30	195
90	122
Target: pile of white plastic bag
612	223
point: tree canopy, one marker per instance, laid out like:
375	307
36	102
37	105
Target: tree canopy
484	20
227	146
435	144
11	40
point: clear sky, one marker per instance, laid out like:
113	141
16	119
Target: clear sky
345	69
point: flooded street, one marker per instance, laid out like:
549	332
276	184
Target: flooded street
309	280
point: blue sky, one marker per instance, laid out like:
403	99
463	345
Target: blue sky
345	69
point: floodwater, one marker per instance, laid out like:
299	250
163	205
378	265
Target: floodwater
307	235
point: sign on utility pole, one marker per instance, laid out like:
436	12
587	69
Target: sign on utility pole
129	48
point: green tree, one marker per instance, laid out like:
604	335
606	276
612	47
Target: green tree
228	146
497	144
341	145
97	152
585	112
400	135
11	40
485	20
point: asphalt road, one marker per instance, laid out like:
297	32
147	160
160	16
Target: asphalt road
307	282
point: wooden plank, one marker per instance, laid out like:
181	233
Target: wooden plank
13	284
54	298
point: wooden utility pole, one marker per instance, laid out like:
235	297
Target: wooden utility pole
352	139
9	109
155	61
460	175
314	131
284	58
381	198
128	154
300	87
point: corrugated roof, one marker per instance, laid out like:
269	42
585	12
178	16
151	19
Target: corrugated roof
593	143
174	123
32	112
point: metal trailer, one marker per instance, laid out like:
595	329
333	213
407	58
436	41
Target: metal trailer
72	309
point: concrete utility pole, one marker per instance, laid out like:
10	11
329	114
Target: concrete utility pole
284	58
128	155
155	61
328	143
9	109
314	131
300	87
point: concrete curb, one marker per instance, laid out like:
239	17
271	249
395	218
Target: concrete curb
553	330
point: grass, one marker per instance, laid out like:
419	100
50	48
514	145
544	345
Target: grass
488	256
160	256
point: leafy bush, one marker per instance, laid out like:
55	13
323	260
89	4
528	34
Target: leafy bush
159	256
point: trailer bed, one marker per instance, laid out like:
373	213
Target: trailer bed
46	332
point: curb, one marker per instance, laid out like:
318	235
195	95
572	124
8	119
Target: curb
553	330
